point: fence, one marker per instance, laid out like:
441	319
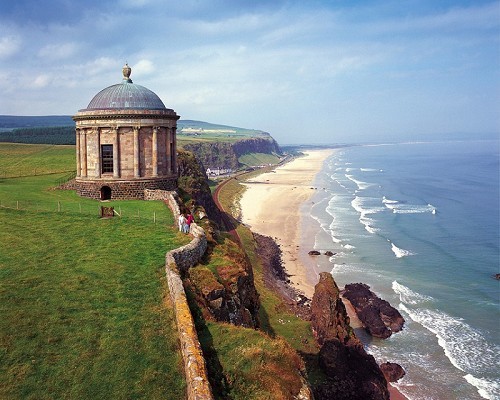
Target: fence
86	208
69	174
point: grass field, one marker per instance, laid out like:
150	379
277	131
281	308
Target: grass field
83	301
28	159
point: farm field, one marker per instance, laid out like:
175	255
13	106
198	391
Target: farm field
84	303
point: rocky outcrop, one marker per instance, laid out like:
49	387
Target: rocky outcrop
230	298
352	373
378	316
392	371
226	292
225	154
328	315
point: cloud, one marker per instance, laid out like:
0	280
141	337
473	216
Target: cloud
41	81
58	51
9	45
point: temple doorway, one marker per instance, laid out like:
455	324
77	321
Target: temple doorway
105	193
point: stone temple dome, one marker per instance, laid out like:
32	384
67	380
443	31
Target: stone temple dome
126	95
125	143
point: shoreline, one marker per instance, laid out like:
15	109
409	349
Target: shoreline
273	205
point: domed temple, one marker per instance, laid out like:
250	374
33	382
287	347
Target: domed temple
125	143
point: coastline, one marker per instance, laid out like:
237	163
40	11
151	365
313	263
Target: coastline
271	206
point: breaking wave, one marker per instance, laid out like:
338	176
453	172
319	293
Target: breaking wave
464	346
400	252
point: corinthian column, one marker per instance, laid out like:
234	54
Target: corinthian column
136	152
116	160
169	149
78	162
84	154
97	132
155	151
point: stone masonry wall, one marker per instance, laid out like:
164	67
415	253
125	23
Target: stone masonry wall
198	386
122	190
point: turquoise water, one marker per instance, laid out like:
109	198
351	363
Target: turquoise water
419	223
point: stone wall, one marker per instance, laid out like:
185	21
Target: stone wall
198	386
123	190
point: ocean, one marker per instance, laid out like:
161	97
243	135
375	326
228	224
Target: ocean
419	223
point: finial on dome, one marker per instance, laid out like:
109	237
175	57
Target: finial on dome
126	70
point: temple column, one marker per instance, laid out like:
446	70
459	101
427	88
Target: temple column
83	144
78	161
116	154
155	151
174	151
168	148
136	152
97	132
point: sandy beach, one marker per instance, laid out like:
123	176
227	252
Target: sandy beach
271	206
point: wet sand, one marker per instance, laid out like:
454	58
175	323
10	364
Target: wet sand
271	206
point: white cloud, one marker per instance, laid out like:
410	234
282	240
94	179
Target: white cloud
58	51
41	81
142	68
9	45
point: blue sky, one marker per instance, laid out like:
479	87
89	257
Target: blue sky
305	71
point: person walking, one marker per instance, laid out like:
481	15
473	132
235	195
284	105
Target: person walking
189	221
181	221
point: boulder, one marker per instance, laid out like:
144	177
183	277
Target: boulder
379	318
392	371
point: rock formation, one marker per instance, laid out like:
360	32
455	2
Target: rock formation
352	373
229	294
392	371
378	316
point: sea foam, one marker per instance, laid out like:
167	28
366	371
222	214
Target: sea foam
400	252
361	185
408	296
464	346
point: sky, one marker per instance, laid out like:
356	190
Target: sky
307	72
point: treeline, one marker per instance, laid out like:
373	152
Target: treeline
40	135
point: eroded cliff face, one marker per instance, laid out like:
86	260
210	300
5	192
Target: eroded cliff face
225	154
352	373
227	292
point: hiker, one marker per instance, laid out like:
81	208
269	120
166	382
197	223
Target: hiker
189	221
181	221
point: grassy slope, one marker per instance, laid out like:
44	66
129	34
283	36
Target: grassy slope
83	302
24	160
257	159
258	365
275	317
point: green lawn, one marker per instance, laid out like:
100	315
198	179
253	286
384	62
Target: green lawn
28	159
84	304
